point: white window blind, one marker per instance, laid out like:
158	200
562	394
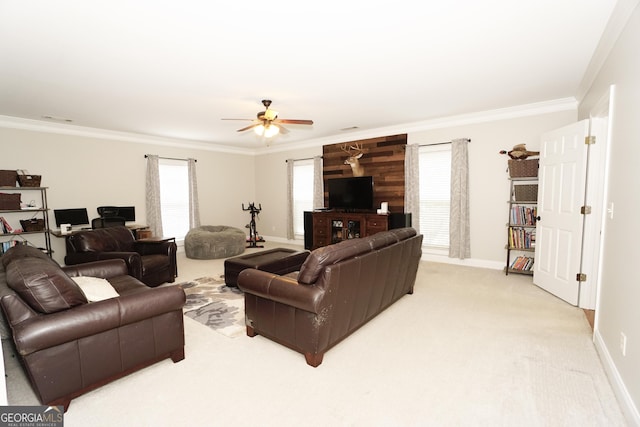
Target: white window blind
302	193
174	197
435	193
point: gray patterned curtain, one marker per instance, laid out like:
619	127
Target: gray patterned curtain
194	204
318	183
154	211
290	234
412	184
459	230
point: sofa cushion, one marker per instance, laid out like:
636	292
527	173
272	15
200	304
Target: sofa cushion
43	285
95	288
24	251
327	255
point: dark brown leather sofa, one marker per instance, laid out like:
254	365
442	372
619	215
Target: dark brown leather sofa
338	289
69	346
151	262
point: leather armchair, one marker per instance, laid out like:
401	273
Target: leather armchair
151	262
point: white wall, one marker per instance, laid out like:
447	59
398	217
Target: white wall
617	311
488	177
88	172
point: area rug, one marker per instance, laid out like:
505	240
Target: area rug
212	303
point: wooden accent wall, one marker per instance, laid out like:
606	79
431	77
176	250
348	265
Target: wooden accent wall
383	159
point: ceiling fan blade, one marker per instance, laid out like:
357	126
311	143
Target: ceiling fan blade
283	130
249	127
294	122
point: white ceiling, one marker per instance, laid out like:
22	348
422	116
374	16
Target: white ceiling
174	69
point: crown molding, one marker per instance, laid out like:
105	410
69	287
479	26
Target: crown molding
552	106
67	129
533	109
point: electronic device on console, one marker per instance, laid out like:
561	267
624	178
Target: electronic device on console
126	212
351	193
76	216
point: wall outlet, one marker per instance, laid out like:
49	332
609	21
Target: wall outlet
623	343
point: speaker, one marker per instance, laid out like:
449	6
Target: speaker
308	229
399	220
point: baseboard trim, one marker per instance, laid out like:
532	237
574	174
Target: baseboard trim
627	406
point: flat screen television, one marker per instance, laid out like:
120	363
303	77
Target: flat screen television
77	216
351	194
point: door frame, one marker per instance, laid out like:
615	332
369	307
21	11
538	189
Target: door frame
601	117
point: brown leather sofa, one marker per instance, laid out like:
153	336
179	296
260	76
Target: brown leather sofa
151	262
69	346
338	289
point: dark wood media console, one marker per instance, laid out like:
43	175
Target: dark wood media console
327	227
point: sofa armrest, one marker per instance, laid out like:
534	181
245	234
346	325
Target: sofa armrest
104	269
281	289
155	247
45	331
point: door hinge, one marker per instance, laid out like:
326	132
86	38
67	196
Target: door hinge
589	140
585	210
581	277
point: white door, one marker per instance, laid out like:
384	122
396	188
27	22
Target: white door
561	193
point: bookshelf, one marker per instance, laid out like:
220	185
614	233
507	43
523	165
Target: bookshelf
32	221
521	226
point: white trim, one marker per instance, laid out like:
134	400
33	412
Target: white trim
627	406
66	129
537	108
469	262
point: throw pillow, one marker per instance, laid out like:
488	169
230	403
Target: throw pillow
95	288
43	285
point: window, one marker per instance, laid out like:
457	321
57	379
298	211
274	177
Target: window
435	189
302	193
174	197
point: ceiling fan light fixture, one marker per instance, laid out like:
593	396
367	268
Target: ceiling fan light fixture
267	131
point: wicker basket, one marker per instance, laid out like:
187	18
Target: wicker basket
29	180
523	168
32	224
8	178
526	193
9	201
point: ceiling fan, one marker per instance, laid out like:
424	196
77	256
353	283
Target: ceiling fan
268	124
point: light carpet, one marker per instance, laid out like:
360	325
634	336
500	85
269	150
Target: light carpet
212	303
470	347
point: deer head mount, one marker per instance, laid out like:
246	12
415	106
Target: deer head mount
355	152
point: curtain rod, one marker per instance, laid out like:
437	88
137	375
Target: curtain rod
169	158
440	143
306	158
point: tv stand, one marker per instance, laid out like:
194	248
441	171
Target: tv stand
328	227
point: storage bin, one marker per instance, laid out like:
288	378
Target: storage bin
32	224
8	178
526	193
29	180
523	168
9	201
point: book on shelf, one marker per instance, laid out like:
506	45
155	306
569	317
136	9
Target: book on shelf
522	263
4	225
523	215
522	238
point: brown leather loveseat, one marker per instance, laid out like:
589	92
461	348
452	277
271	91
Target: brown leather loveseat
68	345
152	262
338	289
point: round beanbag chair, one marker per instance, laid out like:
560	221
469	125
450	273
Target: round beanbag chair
214	241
